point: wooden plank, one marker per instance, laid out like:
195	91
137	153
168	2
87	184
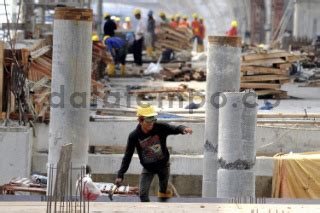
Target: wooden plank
259	86
1	73
268	92
259	56
263	62
264	70
284	66
263	78
63	168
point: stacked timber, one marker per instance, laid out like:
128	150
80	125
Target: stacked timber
177	39
265	72
182	72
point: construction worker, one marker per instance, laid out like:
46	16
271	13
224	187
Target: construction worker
150	35
127	24
138	40
202	35
95	38
196	31
173	22
233	30
118	20
149	139
177	19
163	17
109	26
184	23
118	49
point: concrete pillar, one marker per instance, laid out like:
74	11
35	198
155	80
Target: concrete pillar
296	18
237	154
100	17
70	87
223	74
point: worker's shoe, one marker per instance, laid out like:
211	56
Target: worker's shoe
111	69
123	69
163	197
150	52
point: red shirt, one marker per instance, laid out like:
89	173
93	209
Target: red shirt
232	32
196	28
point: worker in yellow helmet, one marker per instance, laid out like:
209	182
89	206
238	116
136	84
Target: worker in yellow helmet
127	24
139	39
178	18
149	140
109	25
164	18
117	47
118	20
173	22
233	30
184	23
150	35
196	30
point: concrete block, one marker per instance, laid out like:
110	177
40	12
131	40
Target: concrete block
15	152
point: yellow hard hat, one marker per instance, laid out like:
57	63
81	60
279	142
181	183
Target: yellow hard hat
172	17
162	14
234	23
95	38
127	19
195	15
201	19
136	11
146	110
177	15
105	38
117	19
185	17
106	14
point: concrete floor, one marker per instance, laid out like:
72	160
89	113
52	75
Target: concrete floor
37	207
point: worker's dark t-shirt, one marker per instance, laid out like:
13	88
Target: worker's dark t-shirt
151	147
109	27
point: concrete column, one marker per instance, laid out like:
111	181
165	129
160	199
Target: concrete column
70	87
237	154
223	74
99	18
296	18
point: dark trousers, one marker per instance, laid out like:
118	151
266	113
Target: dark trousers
121	55
137	51
146	179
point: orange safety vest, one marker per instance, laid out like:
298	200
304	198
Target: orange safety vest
196	28
184	24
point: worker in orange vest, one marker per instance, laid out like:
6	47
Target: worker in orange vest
173	22
233	30
196	31
184	23
202	36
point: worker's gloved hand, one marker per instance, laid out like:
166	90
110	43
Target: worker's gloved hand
118	181
187	130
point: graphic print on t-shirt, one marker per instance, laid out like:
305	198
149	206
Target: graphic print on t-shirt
151	149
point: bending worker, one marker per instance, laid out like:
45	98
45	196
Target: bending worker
149	139
118	49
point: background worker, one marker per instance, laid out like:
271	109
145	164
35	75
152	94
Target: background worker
118	49
184	23
196	31
127	24
118	22
150	35
233	30
202	35
164	18
173	22
109	25
149	139
139	38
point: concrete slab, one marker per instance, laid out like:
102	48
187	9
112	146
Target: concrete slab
15	152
